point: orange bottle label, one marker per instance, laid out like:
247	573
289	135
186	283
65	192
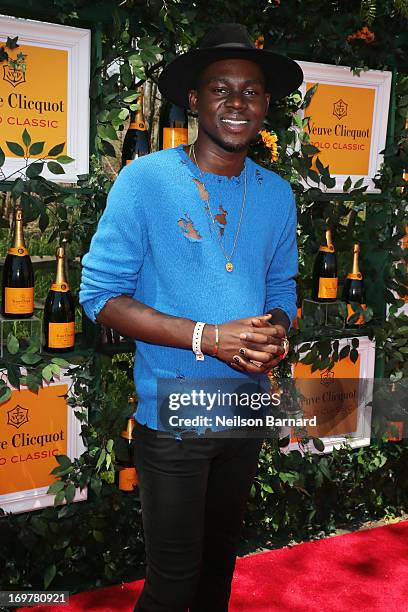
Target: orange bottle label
140	125
61	335
327	287
350	312
63	287
172	137
19	300
20	252
127	479
395	431
327	249
357	276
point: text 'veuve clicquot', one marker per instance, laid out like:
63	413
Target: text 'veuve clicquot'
59	311
325	279
18	276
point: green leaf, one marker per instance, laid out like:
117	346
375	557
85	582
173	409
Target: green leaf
284	441
57	150
107	131
37	148
59	498
2	157
309	94
13	344
5	394
26	138
32	382
354	355
34	170
65	159
63	363
358	183
70	493
344	352
17	188
12	42
47	373
43	222
318	444
55	168
15	148
49	575
98	535
96	485
31	358
13	375
56	487
101	459
64	461
355	342
108	149
347	184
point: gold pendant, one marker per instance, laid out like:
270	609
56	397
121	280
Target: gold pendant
229	267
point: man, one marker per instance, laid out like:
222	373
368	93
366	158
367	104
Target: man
196	246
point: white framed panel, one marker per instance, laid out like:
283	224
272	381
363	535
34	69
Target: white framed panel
367	111
20	108
36	498
361	435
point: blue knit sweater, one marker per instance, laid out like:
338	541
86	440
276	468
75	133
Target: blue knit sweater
156	242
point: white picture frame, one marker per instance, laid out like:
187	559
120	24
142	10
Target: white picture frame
362	435
378	80
38	498
77	43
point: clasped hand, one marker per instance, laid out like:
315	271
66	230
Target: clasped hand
252	345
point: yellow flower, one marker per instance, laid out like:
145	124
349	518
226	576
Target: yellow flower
270	141
259	43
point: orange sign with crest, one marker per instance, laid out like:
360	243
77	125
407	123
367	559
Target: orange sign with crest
33	430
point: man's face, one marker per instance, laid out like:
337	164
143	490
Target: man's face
231	103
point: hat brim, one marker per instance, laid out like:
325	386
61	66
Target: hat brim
282	74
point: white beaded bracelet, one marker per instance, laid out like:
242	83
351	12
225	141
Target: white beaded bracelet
196	343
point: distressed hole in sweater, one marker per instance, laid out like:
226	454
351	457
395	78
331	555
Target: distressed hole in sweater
202	190
188	229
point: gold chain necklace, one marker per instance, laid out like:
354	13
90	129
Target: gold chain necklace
228	266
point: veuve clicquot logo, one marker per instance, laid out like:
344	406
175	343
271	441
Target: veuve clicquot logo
18	276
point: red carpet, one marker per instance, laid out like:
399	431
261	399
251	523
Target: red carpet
365	571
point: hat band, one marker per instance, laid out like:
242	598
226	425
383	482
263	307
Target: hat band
230	45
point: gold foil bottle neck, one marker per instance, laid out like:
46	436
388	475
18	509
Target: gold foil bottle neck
18	241
128	432
60	278
329	240
139	118
356	253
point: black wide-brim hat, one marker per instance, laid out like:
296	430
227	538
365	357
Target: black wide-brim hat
228	41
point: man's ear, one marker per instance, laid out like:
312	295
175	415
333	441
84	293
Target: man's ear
268	99
193	100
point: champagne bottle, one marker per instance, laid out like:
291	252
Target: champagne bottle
325	280
18	276
353	290
136	141
59	311
174	126
127	475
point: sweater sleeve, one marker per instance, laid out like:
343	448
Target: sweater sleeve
118	247
280	280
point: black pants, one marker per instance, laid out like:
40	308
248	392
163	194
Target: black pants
193	495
